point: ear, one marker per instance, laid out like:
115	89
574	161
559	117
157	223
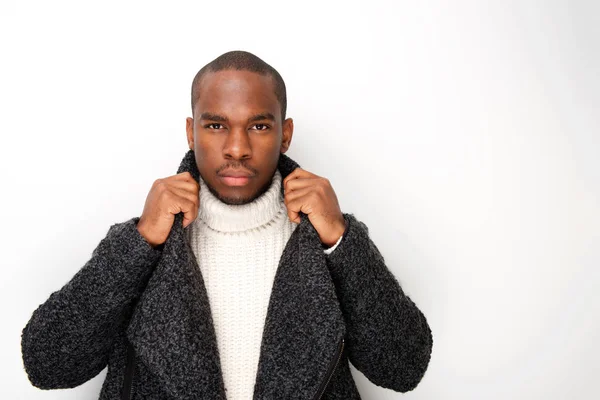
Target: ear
288	132
189	129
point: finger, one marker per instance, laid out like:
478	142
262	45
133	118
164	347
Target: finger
190	212
188	186
179	204
293	216
192	196
190	215
302	203
294	194
300	183
165	184
298	173
183	176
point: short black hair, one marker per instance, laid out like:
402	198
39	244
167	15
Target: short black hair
245	61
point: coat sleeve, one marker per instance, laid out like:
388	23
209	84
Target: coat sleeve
388	338
68	338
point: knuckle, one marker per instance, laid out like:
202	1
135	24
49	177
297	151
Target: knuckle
160	184
165	194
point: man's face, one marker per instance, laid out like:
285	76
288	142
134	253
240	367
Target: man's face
237	130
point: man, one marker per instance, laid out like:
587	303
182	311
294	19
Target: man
241	279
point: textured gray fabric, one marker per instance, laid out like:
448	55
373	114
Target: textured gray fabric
129	293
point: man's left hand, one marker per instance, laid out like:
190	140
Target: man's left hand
314	196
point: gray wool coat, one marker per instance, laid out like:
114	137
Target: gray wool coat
145	313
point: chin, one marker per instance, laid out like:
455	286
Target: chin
235	200
237	195
233	196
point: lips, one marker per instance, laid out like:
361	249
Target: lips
232	177
236	173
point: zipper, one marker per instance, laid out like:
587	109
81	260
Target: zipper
330	371
130	376
133	379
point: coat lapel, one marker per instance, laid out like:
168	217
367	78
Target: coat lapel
172	329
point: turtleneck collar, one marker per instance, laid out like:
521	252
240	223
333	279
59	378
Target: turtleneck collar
236	218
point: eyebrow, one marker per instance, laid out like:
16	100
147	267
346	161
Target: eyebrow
260	117
213	117
220	118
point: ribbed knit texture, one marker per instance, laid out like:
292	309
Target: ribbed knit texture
238	248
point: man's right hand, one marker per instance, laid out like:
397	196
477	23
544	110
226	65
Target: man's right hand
168	197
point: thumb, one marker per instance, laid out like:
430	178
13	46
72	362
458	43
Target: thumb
186	221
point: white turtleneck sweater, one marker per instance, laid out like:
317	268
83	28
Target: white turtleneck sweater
238	248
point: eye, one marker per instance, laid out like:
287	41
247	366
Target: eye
261	127
213	126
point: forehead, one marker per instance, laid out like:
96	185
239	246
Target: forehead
234	93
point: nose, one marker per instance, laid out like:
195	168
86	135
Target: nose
237	146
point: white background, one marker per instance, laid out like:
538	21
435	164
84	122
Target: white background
465	135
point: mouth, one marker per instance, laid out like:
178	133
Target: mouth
235	177
235	180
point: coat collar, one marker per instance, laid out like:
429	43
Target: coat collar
172	330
